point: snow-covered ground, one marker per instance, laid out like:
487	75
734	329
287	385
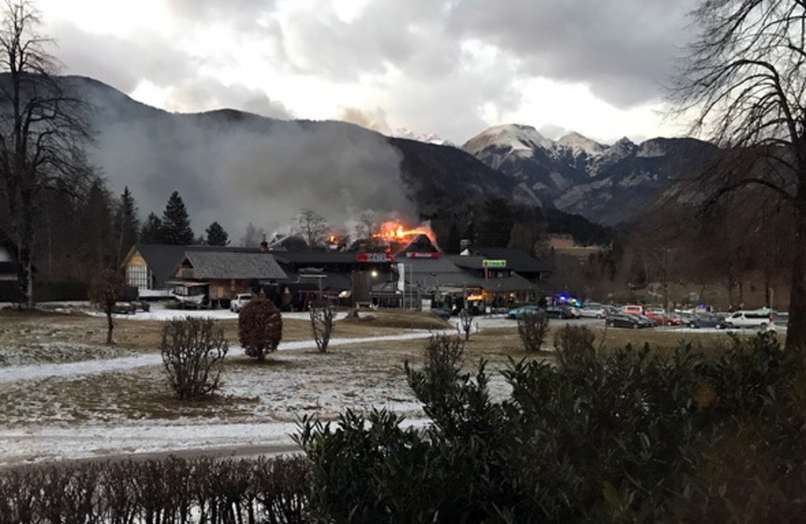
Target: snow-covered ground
39	444
98	366
160	312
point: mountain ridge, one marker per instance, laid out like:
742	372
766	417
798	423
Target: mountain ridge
609	184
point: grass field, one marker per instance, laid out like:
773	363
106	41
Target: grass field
31	337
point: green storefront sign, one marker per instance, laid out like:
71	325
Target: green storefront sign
494	264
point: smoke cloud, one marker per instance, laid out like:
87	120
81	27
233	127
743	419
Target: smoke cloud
237	168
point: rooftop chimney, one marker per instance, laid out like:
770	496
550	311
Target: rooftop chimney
264	245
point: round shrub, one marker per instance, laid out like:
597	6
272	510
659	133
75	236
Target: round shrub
260	327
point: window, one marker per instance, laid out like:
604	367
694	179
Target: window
137	276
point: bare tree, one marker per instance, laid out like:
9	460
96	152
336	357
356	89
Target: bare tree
312	227
367	225
465	325
106	289
532	330
193	352
322	325
252	236
745	80
42	130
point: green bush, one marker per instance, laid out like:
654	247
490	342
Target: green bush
260	327
627	435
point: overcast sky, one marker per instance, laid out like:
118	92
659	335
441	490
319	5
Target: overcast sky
448	67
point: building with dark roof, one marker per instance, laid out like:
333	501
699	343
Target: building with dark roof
151	268
228	272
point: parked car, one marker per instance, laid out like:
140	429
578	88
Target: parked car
131	307
561	312
759	318
623	320
633	309
613	310
706	320
592	310
240	300
442	313
658	315
518	312
645	321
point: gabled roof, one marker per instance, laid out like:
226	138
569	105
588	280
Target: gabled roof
162	260
234	265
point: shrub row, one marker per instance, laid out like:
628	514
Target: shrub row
169	491
627	435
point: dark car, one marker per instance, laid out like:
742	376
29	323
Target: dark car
518	312
130	308
442	313
706	321
562	312
625	321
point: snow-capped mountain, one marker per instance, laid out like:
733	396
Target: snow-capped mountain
604	183
428	138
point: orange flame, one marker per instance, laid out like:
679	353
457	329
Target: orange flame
395	231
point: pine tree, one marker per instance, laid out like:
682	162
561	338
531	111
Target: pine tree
127	225
175	222
152	230
96	251
216	236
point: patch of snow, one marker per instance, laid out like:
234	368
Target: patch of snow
48	443
160	312
651	149
428	138
508	136
578	144
99	366
635	180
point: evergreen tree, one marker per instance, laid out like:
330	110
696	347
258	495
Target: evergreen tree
96	251
216	236
127	225
175	222
152	230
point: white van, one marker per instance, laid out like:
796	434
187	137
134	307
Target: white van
759	318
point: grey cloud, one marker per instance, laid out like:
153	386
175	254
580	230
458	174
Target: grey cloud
624	50
120	62
204	94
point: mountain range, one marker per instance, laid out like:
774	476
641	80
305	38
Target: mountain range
236	167
608	184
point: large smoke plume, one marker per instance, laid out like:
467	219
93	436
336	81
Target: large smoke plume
235	168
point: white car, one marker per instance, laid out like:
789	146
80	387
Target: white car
760	318
592	310
240	300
